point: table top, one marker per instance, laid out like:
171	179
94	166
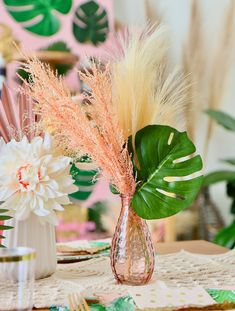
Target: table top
195	246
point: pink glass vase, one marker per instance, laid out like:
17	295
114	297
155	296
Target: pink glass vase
132	253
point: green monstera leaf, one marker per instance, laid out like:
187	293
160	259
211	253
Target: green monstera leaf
90	23
38	16
167	170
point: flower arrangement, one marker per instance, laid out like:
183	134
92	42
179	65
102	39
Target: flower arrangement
118	127
33	177
123	126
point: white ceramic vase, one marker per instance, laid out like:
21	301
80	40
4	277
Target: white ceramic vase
34	234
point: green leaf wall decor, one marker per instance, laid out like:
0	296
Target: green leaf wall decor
166	168
38	16
62	69
90	23
84	179
3	227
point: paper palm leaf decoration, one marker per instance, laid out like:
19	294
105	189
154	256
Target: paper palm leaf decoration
16	118
3	217
41	17
167	171
84	179
62	69
90	23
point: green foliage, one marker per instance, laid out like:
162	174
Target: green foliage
218	176
228	123
222	118
62	69
231	193
226	236
162	191
90	23
60	46
3	227
113	189
41	16
229	161
84	179
95	213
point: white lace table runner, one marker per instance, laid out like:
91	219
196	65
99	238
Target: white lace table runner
95	276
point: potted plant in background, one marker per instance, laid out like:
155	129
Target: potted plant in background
226	236
124	131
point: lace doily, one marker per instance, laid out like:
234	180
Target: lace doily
96	279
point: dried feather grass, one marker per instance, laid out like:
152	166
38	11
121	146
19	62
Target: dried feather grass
221	65
144	90
151	14
136	89
193	63
91	130
206	85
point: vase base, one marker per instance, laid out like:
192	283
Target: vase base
133	283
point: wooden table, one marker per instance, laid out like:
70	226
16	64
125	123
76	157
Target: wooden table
197	246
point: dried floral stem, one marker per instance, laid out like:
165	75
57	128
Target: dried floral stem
220	69
152	15
135	90
194	66
144	90
91	129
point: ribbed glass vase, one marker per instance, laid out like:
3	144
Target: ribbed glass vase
132	253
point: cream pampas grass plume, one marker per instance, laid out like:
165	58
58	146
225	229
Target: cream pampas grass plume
144	90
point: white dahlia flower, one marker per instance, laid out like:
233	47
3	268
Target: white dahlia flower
33	179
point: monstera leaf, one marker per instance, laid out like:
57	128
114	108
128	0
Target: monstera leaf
38	16
3	227
90	23
165	165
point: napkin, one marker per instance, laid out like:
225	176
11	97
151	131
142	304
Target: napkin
158	295
82	247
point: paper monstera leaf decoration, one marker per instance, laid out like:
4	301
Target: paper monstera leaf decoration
84	178
37	16
167	170
90	23
3	217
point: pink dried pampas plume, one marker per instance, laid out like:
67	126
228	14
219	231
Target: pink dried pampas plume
91	129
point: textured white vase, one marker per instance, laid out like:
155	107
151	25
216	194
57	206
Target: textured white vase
32	233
